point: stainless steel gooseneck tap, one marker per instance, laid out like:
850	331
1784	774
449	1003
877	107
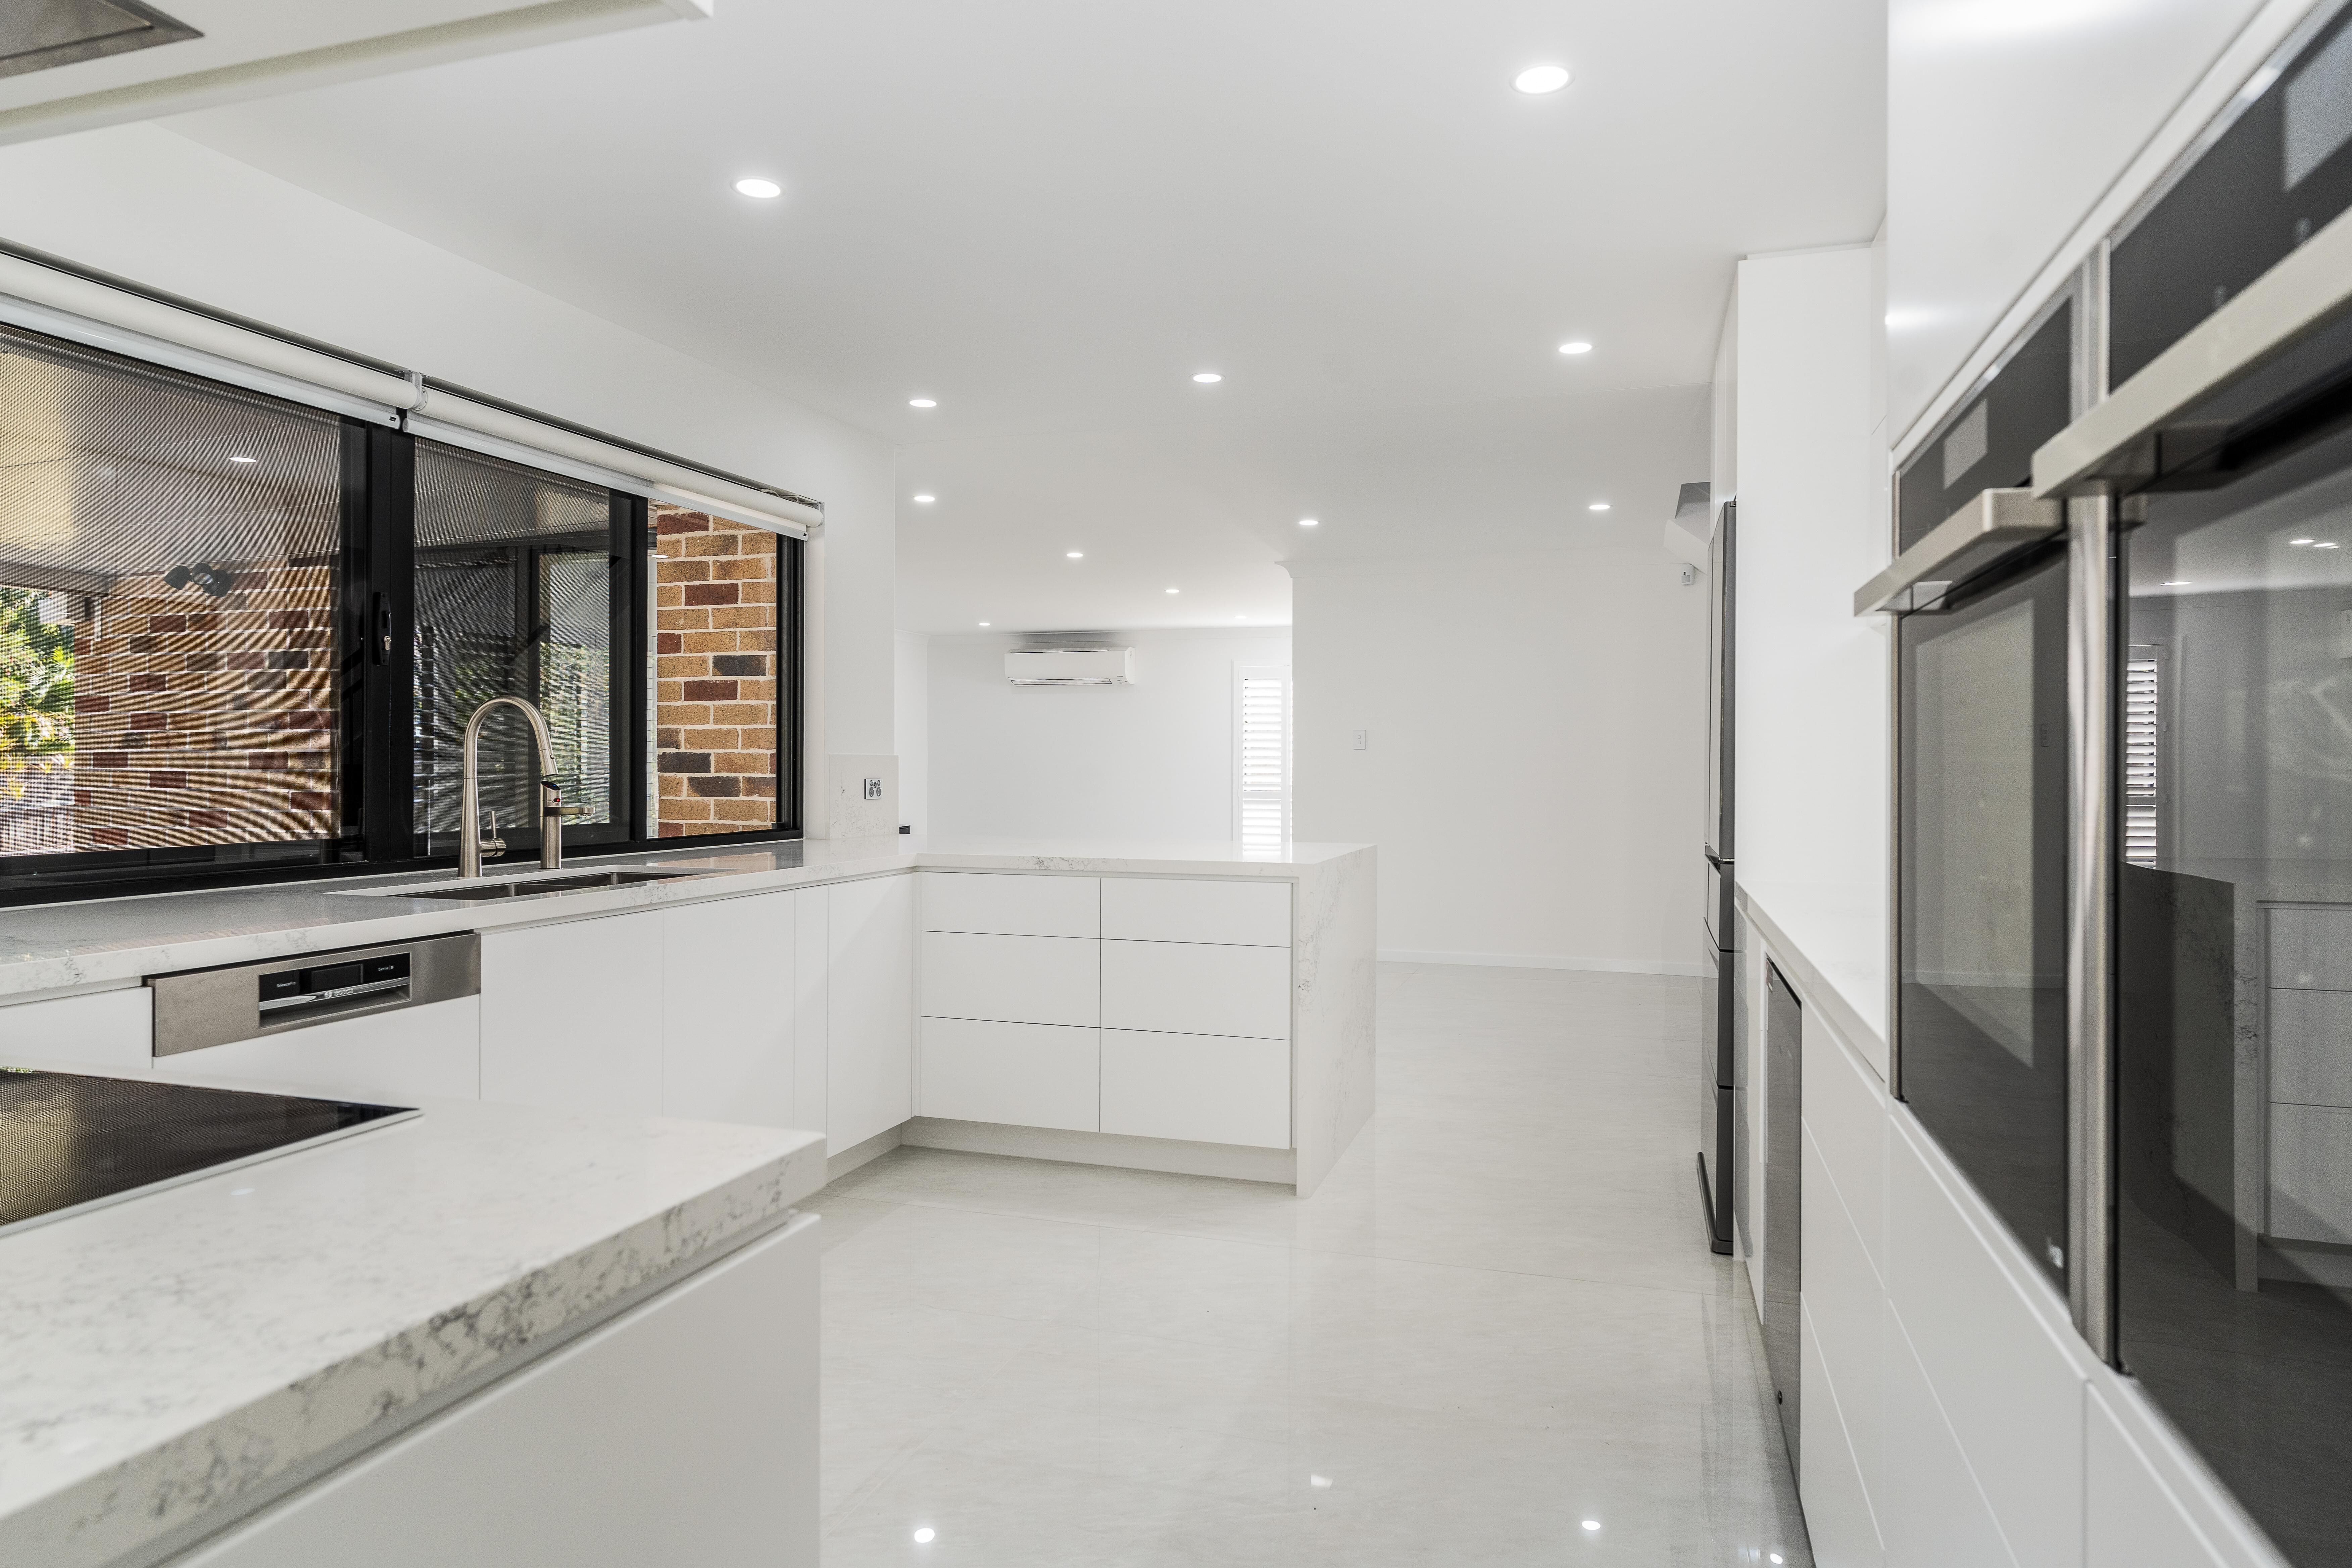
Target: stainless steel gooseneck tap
471	847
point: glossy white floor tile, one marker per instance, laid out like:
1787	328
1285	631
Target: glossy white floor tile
1498	1319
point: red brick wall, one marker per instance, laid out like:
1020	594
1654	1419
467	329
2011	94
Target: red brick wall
204	720
716	586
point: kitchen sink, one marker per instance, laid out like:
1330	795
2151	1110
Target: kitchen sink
534	887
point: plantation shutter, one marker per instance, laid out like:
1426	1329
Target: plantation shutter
1262	756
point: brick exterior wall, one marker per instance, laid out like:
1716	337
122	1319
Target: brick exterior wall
716	629
204	720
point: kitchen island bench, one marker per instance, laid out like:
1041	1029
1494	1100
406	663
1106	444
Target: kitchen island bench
410	1345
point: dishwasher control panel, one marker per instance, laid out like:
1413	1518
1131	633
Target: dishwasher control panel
200	1007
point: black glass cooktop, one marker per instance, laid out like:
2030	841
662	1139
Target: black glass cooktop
68	1141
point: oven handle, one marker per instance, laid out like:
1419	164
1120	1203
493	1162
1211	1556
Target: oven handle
1987	529
2108	446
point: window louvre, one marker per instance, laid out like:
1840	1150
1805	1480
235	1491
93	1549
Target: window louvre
2143	743
1261	757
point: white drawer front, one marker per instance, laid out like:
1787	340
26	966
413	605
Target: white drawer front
2311	1173
1243	914
2312	949
1192	988
1011	979
1030	1075
1010	906
2311	1047
1205	1088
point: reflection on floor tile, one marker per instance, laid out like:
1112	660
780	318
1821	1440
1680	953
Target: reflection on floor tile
1497	1322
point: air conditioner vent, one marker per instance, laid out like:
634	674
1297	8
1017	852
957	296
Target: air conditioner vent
1070	666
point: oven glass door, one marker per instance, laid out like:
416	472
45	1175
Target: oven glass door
2233	1037
1981	876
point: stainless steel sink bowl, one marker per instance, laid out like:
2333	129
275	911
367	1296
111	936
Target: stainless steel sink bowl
535	886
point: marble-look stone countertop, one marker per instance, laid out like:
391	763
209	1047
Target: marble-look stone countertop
58	947
163	1355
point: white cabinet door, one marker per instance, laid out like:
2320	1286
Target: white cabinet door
1160	908
1010	906
728	1005
1192	988
113	1029
2311	948
684	1431
572	1013
1030	1075
434	1051
1011	979
812	956
1197	1086
870	1010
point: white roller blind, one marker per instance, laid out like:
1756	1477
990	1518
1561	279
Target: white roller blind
1262	756
64	304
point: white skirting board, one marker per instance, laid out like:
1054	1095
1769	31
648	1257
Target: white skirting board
1168	1154
839	1165
1692	968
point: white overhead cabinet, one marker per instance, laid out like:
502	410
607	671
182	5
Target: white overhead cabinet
1147	1007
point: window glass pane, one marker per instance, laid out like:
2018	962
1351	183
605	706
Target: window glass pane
515	585
717	676
169	679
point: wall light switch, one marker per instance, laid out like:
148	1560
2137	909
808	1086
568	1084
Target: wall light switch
1362	739
874	789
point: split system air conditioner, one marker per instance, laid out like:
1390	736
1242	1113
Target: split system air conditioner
1070	666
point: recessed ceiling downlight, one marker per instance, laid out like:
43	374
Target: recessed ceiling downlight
1175	590
922	403
245	459
1207	377
1076	555
925	500
1576	346
1598	506
1540	79
764	190
1311	522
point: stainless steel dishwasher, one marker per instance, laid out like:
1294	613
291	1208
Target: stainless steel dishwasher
198	1008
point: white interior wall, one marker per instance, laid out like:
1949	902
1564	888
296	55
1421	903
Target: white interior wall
159	209
910	718
1812	763
1150	760
1536	748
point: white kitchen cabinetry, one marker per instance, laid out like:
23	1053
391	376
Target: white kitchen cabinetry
870	1009
728	1011
568	1018
433	1052
716	1463
1010	906
1194	988
1188	982
113	1029
1161	909
1204	1088
1012	979
1025	1075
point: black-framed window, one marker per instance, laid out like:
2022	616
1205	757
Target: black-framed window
240	639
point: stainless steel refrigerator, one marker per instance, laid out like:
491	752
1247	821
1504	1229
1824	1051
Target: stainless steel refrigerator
1718	1009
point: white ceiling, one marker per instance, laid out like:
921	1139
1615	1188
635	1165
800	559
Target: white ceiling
1048	216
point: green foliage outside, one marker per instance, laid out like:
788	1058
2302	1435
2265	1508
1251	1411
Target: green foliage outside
36	689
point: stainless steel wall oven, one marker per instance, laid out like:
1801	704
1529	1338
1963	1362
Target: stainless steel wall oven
2123	781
